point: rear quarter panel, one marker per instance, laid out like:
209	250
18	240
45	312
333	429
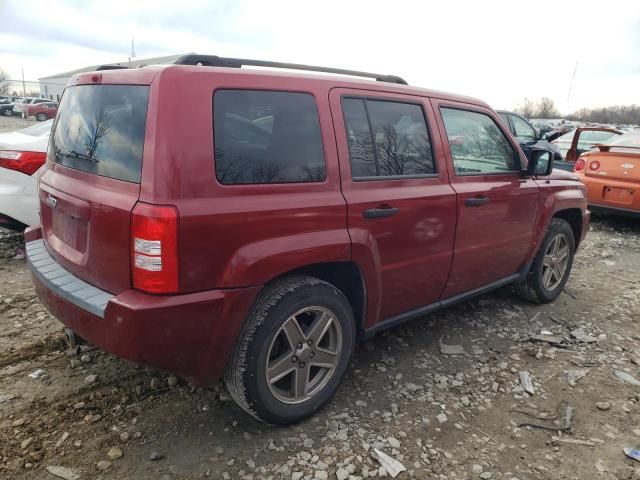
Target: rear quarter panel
236	235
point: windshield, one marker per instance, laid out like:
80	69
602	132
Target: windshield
39	129
100	130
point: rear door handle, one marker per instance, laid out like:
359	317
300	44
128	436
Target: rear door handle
380	212
475	201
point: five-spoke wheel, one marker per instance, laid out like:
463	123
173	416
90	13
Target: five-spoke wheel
294	350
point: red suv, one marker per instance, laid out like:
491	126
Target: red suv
259	229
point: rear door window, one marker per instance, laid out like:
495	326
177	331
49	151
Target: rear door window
387	139
100	130
477	144
267	137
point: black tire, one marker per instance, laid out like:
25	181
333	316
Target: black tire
41	117
533	288
246	374
7	112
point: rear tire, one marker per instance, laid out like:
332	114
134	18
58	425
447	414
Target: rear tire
41	117
293	351
551	266
7	113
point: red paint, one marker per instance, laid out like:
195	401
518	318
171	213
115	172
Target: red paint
49	109
232	240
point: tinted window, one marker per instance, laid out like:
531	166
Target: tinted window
267	137
100	130
477	144
523	129
387	139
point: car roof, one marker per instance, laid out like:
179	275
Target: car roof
146	75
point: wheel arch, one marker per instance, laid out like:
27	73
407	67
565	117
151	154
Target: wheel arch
573	216
346	277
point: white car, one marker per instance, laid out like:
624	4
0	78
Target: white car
22	156
587	139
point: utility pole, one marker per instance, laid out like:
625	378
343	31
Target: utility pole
133	52
24	88
24	94
571	83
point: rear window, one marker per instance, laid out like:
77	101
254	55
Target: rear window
267	137
100	130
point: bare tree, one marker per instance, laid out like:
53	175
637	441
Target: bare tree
95	134
4	82
546	108
626	114
526	109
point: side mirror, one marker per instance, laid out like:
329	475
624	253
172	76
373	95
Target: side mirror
540	162
544	136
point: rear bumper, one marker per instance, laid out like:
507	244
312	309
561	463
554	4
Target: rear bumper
608	209
596	197
190	335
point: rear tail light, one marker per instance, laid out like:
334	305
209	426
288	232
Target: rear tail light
579	165
595	165
154	248
24	162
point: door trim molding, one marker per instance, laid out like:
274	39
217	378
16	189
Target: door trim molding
448	302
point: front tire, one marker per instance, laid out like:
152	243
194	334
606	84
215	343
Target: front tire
41	117
293	351
552	265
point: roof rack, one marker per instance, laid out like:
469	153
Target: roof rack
215	61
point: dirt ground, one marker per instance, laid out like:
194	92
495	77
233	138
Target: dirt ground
442	416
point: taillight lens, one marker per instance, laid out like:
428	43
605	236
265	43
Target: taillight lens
24	162
579	165
595	165
154	248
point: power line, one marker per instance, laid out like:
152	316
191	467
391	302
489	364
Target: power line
34	81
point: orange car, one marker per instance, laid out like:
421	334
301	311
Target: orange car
612	175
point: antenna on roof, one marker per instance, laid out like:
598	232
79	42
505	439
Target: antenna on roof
215	61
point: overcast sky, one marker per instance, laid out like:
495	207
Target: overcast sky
500	52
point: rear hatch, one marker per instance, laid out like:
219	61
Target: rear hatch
92	181
614	165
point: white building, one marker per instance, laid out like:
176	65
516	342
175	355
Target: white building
52	86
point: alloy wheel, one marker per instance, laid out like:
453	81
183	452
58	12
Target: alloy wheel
556	260
303	355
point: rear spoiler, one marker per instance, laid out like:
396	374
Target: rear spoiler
607	148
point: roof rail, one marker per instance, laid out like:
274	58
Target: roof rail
111	67
215	61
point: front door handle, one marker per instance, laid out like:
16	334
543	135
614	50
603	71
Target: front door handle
381	212
475	201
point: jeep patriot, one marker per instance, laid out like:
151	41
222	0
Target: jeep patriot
253	225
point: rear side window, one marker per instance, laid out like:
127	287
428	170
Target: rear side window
100	130
477	144
267	137
387	139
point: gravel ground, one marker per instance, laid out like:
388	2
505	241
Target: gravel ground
8	124
462	416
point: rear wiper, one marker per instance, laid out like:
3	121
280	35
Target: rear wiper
76	154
